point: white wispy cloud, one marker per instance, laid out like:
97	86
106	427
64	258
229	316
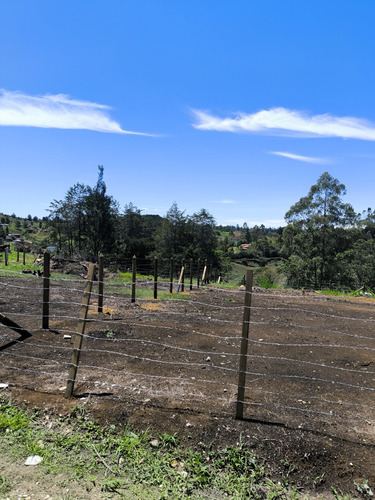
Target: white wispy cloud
307	159
56	111
282	121
225	202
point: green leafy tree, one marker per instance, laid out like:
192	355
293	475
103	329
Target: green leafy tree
68	221
136	233
101	214
316	234
171	238
86	220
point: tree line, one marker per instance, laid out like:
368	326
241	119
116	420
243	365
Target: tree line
88	222
324	243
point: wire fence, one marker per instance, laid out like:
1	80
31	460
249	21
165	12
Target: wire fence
310	359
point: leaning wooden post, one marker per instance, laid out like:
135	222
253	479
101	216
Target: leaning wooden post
205	270
156	278
183	276
101	283
134	276
81	330
244	344
181	280
46	289
191	274
171	276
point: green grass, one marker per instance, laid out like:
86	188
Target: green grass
340	293
130	464
14	266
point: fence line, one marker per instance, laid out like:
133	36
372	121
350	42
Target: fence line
182	336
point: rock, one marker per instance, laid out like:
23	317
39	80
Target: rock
33	460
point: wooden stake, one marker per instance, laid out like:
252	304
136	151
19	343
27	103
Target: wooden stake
171	276
182	276
134	276
46	289
244	345
81	329
204	275
191	274
101	283
181	279
156	278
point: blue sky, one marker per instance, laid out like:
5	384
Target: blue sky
237	107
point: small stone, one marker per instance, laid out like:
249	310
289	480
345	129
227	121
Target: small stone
154	443
208	359
33	460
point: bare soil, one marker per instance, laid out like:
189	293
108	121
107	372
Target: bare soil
172	367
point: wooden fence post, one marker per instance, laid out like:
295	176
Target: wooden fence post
171	276
156	278
46	290
182	276
24	257
244	345
191	274
181	280
134	276
81	330
198	271
6	253
101	283
18	255
204	274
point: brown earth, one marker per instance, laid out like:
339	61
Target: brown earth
172	367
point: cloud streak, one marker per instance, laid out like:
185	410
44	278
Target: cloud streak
225	202
56	111
282	121
306	159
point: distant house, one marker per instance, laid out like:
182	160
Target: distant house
13	237
245	246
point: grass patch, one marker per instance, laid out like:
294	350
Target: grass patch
118	460
340	293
